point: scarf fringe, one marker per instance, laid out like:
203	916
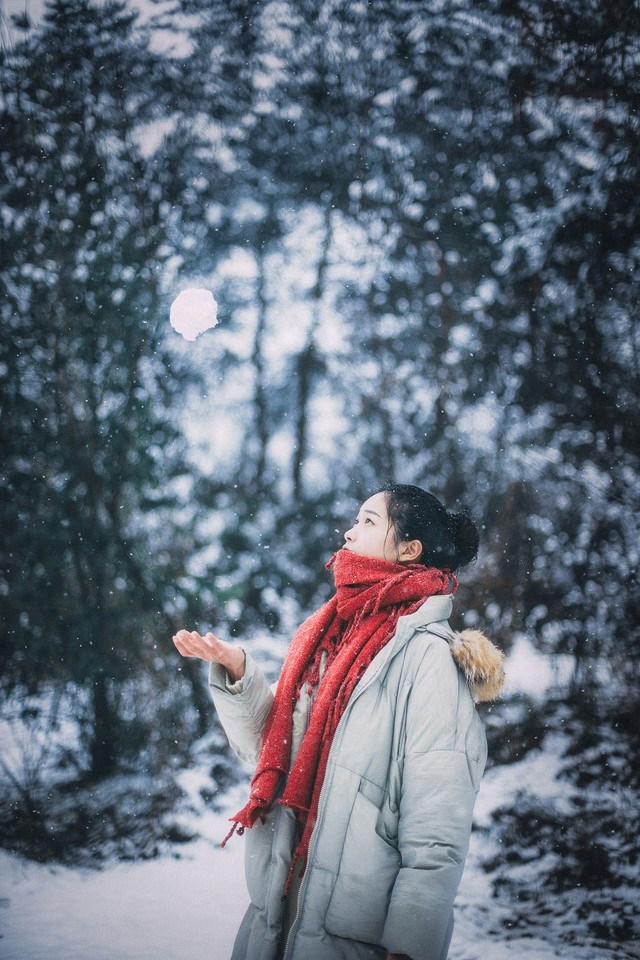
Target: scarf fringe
236	826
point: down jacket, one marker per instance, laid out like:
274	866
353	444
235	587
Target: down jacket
394	817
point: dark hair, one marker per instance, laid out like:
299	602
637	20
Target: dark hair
448	539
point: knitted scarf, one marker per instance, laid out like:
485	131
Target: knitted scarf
352	627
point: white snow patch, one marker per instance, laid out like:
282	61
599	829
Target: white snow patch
149	136
531	672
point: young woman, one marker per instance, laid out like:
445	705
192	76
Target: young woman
368	751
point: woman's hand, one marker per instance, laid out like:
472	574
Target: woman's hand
213	649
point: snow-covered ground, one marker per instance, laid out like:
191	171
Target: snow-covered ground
188	905
172	908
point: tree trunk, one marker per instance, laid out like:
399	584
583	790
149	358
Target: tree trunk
261	426
201	700
103	754
306	364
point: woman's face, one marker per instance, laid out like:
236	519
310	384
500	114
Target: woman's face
370	530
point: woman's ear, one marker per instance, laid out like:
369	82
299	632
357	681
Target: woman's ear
410	551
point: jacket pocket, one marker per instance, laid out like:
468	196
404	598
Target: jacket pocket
365	877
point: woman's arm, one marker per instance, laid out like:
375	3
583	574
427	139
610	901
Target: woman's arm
435	814
239	690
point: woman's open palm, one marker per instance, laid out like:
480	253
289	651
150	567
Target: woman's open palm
189	643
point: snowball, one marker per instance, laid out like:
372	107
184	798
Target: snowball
193	311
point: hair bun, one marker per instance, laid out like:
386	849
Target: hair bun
449	540
465	537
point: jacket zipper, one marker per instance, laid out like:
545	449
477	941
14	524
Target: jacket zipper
324	791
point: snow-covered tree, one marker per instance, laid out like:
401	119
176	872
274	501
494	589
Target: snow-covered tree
92	550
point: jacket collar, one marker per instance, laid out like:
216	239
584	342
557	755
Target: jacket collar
481	661
436	607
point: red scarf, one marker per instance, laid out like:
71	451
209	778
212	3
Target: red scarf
353	626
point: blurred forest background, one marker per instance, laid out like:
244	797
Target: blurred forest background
421	221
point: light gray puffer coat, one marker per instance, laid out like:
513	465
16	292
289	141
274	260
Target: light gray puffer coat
394	817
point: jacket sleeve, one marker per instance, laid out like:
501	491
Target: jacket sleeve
242	707
436	802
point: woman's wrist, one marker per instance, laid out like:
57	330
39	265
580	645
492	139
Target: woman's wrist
236	668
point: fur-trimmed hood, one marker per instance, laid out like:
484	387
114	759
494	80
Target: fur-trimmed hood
481	662
479	659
